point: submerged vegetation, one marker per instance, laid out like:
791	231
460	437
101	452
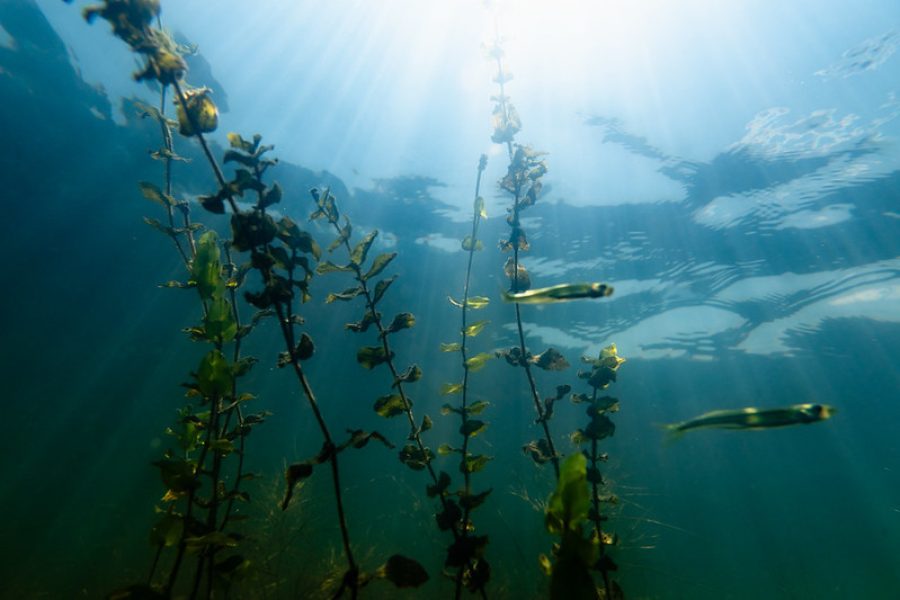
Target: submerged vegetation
264	266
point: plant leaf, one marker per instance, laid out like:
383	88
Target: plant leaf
390	405
403	572
381	287
361	250
451	388
293	475
402	321
472	427
550	360
477	407
477	362
438	488
379	264
372	356
475	328
411	375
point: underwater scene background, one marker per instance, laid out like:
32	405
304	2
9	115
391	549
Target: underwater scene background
732	170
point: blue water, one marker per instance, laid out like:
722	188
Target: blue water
733	171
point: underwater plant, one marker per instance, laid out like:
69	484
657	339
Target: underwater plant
604	370
572	503
278	252
473	569
465	552
204	473
523	183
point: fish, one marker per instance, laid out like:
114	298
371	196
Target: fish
756	418
560	293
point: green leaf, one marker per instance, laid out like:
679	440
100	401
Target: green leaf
252	230
390	405
222	446
403	572
348	294
600	427
329	267
411	375
539	451
451	388
447	409
214	204
167	531
475	328
477	407
304	348
447	449
273	196
361	250
381	287
478	302
402	321
238	142
379	264
154	194
440	486
294	474
239	157
368	319
372	356
474	463
297	239
215	539
472	427
206	268
219	322
451	347
477	362
155	224
465	549
550	360
359	438
467	244
568	505
473	501
243	365
213	376
342	237
414	458
479	208
178	475
427	424
450	516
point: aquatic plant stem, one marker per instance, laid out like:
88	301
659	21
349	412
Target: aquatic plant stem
351	577
595	500
515	248
217	171
167	171
467	476
415	434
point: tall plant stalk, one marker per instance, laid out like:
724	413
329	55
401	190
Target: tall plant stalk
415	455
523	183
